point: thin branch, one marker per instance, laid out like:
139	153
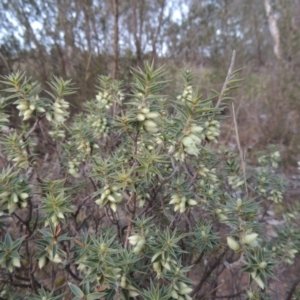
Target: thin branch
35	125
293	289
206	275
227	79
240	149
5	63
229	296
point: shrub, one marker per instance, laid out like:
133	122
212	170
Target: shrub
133	198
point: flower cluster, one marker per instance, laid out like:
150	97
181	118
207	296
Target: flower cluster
191	141
272	159
99	125
12	200
186	95
138	242
162	263
28	106
207	173
212	130
56	133
275	195
142	199
246	239
59	111
84	147
104	99
73	167
235	181
110	196
220	214
181	291
14	191
146	117
125	284
181	203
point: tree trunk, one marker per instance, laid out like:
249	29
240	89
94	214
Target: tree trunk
273	28
116	38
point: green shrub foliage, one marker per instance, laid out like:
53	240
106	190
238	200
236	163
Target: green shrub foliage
133	198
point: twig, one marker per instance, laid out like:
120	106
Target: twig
227	79
240	149
293	289
5	63
36	123
206	275
73	275
131	200
230	296
237	264
80	206
212	291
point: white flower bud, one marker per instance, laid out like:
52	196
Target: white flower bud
48	117
59	118
140	117
15	197
249	238
56	259
134	239
192	202
16	262
166	265
233	244
182	207
176	207
196	129
174	294
60	215
258	280
23	204
123	282
171	150
187	141
56	104
111	198
263	265
152	115
22	106
42	262
24	196
40	109
28	113
150	124
132	293
113	206
145	110
157	267
195	138
185	290
4	195
139	246
175	199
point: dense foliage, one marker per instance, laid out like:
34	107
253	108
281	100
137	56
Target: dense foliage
133	198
